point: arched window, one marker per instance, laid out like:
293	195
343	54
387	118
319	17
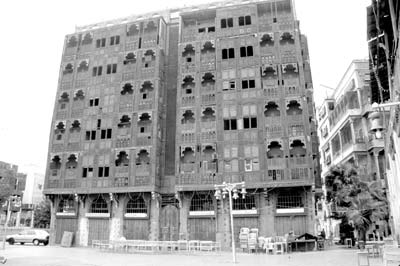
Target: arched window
87	39
122	159
72	162
72	42
99	205
136	205
244	203
127	89
202	202
132	30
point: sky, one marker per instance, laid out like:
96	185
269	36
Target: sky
32	39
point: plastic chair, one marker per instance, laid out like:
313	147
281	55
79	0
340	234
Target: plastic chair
362	256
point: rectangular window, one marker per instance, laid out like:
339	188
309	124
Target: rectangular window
231	53
90	135
228	53
211	29
109	131
250	122
107	169
230	124
114	40
103	134
224	53
246	51
247	20
94	102
230	22
97	71
248	84
100	172
114	68
201	30
84	172
93	135
98	123
223	23
248	166
100	42
241	21
109	69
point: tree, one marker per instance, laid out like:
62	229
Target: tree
42	215
364	202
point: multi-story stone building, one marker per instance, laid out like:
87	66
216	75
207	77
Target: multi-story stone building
383	39
349	133
152	111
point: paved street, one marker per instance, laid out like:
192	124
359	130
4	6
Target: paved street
58	256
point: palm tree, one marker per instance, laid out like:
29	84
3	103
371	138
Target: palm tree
365	202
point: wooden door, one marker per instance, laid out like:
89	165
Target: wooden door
285	224
136	229
99	229
169	223
202	228
65	225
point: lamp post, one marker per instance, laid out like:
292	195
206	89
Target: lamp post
221	191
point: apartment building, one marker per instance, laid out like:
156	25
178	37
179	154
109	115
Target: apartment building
350	132
153	110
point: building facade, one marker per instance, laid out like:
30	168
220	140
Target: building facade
383	38
152	111
350	133
12	183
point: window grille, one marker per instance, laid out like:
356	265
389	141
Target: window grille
137	205
289	199
99	205
202	202
248	203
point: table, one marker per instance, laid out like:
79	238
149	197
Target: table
303	245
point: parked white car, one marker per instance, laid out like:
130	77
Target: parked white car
34	236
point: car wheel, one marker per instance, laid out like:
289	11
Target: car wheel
22	243
45	243
11	241
36	242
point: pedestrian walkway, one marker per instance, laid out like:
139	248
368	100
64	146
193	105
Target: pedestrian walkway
45	256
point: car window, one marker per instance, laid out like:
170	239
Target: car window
31	233
22	233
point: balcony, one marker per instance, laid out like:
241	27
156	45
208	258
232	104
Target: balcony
273	120
188	168
197	181
188	100
143	170
301	161
188	127
278	163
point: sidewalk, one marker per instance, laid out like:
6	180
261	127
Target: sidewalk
58	256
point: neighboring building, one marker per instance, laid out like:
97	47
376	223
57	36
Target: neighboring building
347	133
383	39
153	110
33	193
11	183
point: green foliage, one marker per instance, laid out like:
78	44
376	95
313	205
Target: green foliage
42	215
364	202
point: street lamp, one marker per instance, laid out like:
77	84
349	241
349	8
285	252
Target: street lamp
220	193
